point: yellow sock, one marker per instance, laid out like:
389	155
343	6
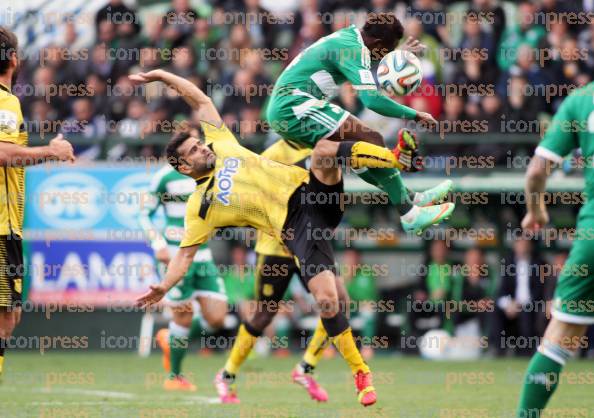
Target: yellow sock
345	344
317	344
1	363
366	155
241	349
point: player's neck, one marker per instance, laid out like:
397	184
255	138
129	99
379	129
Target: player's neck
6	80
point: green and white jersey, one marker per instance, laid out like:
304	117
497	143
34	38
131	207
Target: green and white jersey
322	67
171	190
573	127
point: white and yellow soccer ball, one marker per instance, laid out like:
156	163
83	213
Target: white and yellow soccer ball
399	73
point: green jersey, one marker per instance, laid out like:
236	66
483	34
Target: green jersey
573	127
322	67
171	190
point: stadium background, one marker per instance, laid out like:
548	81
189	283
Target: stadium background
492	84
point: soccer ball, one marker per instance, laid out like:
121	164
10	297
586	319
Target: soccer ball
399	73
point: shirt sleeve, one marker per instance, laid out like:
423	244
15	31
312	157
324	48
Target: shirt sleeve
561	136
10	119
196	230
213	133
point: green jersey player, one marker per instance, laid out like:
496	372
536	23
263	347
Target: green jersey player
573	304
171	190
300	110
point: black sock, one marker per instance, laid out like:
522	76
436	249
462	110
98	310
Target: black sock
335	325
307	368
252	330
228	377
343	155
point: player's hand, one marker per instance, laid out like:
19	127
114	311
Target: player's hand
141	78
154	295
162	255
413	45
61	149
533	221
426	119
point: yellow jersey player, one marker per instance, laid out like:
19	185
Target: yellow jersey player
275	268
14	156
301	208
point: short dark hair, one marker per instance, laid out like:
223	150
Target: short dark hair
8	46
174	143
384	25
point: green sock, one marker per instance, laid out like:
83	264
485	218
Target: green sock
196	328
389	181
178	345
541	380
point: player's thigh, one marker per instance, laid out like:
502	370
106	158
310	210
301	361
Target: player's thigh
273	274
208	289
564	334
353	129
573	302
303	119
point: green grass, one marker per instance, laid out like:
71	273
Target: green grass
124	385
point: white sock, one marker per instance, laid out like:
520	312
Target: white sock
411	214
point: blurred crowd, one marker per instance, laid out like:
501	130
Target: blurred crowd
490	66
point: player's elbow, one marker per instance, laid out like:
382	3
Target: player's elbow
538	169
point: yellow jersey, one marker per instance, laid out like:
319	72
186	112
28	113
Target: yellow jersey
12	179
286	153
243	189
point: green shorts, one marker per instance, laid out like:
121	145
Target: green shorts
300	117
574	294
202	279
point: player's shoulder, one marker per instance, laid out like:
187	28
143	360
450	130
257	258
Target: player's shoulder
213	133
11	116
349	36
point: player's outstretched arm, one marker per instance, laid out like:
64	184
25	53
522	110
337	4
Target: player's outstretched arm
536	180
376	101
176	270
191	94
14	155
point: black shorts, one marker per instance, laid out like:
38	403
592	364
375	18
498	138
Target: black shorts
273	275
315	210
11	270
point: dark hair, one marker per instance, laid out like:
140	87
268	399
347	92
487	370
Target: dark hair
8	47
174	143
385	26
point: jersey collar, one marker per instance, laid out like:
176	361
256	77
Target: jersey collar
6	89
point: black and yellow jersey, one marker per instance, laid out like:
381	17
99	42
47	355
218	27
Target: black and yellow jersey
12	179
243	189
286	153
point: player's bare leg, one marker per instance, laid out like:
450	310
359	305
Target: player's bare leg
9	319
414	207
560	342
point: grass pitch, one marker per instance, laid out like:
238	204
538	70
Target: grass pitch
124	385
